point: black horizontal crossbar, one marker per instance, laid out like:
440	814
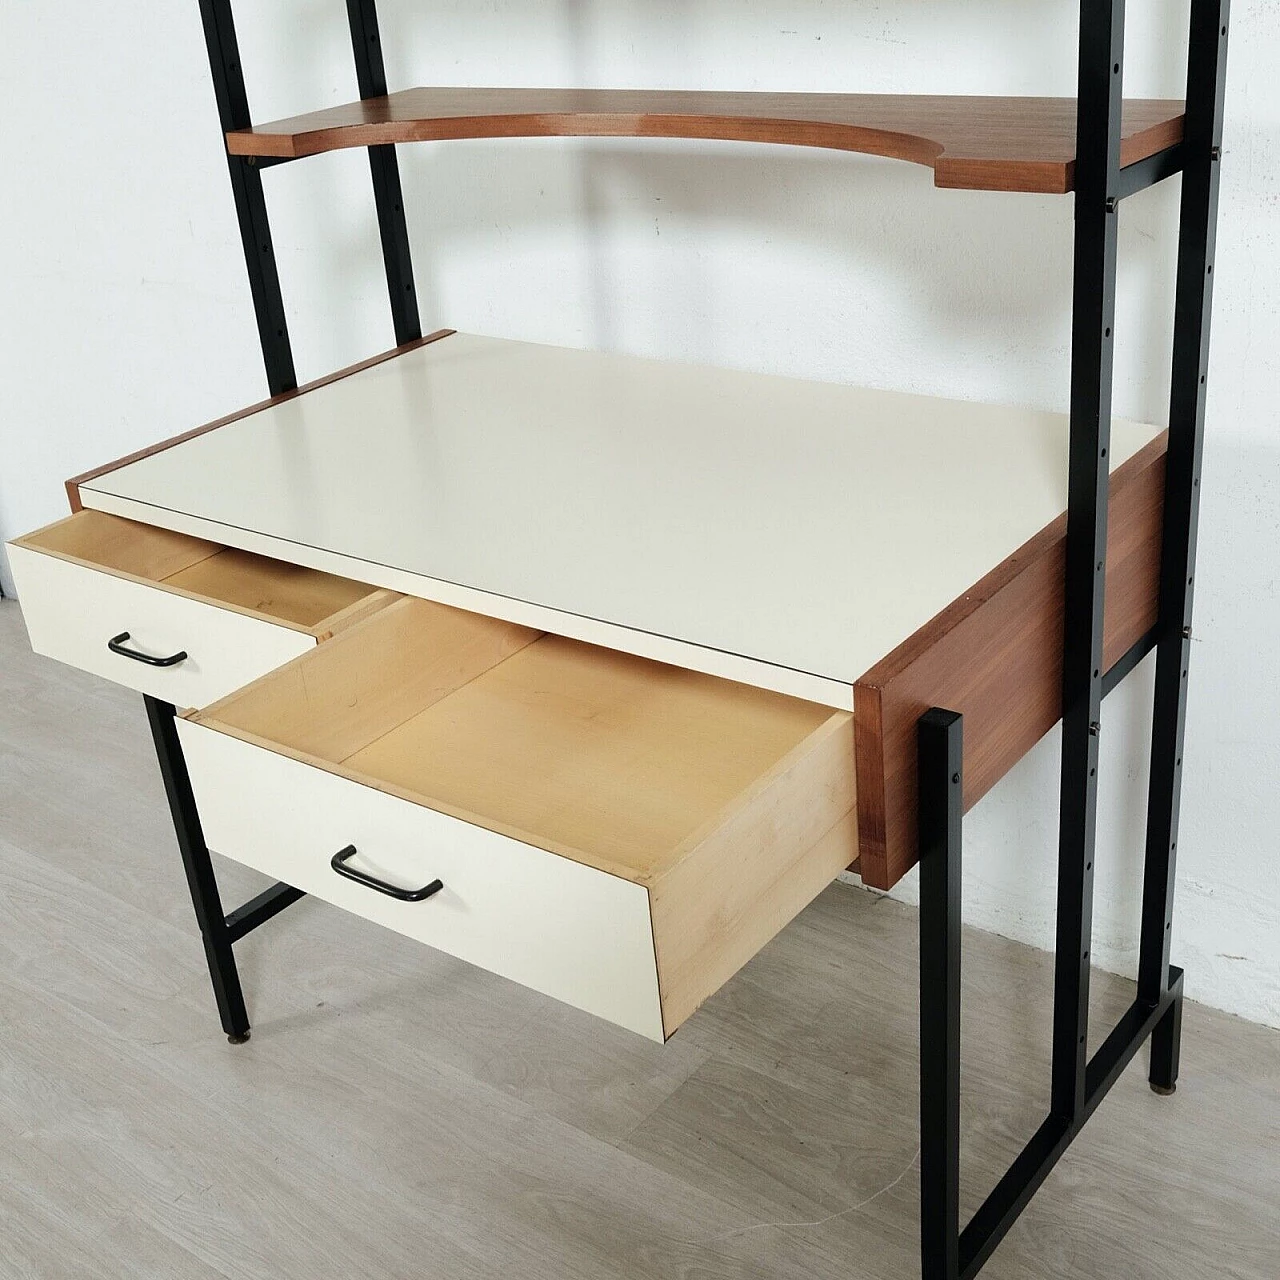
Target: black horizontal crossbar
270	902
1035	1162
1127	661
1012	1194
1146	173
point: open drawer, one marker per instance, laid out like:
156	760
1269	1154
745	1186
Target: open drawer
182	619
616	833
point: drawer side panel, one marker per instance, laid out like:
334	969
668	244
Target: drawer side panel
777	849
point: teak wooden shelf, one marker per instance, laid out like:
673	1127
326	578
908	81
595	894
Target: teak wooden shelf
594	671
974	143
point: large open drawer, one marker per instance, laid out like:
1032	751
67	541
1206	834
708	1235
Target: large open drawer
181	618
616	833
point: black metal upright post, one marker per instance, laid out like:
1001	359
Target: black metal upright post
371	78
1202	151
199	867
251	205
940	765
1092	343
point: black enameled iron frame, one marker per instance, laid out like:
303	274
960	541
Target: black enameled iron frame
949	1251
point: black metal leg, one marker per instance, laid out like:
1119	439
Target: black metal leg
1202	146
941	791
200	878
1166	1042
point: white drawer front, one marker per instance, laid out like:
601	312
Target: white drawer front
568	930
71	611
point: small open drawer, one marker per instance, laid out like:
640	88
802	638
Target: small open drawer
616	833
176	617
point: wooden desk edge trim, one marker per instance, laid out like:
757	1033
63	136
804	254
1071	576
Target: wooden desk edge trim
995	655
73	485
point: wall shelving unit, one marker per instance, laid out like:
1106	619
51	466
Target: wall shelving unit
1097	147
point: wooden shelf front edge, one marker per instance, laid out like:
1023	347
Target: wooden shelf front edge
974	143
995	655
73	485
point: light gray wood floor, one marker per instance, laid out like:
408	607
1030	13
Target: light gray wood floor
398	1114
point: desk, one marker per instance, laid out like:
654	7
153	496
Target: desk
627	655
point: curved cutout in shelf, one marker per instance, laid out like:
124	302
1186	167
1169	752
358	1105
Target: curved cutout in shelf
973	143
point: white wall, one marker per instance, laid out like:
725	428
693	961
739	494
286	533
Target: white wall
126	315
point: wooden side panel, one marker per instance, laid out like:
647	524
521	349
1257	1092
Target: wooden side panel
995	655
748	874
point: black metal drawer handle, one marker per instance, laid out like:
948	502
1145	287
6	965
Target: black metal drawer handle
116	645
339	863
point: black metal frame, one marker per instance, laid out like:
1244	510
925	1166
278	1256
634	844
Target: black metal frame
1079	1083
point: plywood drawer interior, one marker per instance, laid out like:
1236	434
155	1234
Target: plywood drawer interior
89	578
730	806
